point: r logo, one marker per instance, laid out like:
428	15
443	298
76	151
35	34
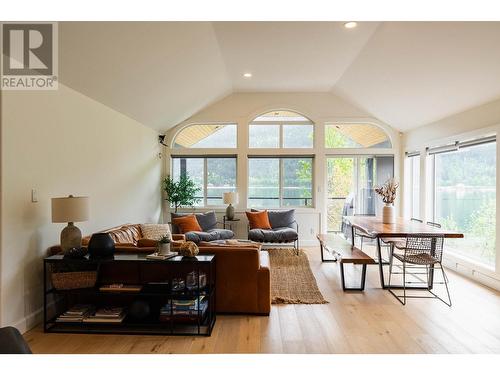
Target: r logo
27	49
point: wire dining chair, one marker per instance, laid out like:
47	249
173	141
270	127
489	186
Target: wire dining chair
421	250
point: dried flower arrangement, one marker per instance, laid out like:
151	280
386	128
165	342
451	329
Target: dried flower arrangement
388	191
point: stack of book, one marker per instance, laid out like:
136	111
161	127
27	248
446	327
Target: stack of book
186	308
106	315
76	314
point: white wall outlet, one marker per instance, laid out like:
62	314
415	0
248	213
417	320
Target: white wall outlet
34	195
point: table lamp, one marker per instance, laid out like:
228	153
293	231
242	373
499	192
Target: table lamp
70	210
230	198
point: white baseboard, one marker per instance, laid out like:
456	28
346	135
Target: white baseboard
30	321
472	271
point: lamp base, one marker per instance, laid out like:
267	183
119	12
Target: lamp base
230	212
71	237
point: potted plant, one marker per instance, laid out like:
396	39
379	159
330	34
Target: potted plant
181	192
164	245
388	193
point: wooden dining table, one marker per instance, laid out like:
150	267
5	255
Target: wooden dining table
372	226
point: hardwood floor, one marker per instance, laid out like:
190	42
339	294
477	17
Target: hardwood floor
354	322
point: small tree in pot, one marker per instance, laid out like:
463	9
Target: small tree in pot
180	193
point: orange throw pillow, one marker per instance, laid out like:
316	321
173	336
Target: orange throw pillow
258	220
187	223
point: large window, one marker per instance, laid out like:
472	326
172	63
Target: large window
206	136
350	186
281	129
356	136
280	182
412	178
212	175
465	197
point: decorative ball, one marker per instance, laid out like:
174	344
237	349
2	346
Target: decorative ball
139	310
75	253
188	249
101	245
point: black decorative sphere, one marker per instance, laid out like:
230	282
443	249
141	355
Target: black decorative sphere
101	245
75	253
139	310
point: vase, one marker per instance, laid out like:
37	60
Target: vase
164	249
101	245
388	214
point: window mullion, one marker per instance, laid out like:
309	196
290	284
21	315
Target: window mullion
205	181
281	182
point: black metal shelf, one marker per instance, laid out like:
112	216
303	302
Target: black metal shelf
148	271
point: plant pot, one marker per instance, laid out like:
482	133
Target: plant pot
164	248
388	214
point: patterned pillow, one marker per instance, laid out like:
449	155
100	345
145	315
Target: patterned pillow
155	231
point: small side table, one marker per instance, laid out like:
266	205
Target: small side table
229	222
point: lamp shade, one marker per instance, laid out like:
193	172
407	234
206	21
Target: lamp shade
70	209
230	197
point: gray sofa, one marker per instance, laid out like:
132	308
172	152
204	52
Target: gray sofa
208	223
284	229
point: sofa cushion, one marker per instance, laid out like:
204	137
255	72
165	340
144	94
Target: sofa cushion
283	234
187	224
280	218
211	235
122	235
155	231
258	220
206	220
224	234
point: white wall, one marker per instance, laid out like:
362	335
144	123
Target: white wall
321	108
480	121
59	143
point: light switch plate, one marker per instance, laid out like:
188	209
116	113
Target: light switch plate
34	195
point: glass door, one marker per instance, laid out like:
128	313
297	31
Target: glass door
350	186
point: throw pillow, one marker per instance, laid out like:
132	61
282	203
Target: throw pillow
155	231
187	223
258	220
207	220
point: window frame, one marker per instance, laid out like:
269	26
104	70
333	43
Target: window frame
224	123
205	158
359	150
281	124
281	180
431	153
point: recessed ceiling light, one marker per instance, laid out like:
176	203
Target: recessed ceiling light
350	25
247	75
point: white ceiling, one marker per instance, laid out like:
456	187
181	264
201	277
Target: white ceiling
406	74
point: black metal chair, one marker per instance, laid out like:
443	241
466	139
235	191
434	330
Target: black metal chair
419	250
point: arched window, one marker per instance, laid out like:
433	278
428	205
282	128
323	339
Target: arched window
356	135
281	129
206	136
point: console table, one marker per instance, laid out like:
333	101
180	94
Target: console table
153	280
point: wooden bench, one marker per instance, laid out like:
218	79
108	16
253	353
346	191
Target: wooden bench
345	253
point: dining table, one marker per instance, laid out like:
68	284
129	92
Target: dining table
373	227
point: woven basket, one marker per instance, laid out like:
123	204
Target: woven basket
74	280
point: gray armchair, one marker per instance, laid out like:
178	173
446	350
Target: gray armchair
284	229
208	223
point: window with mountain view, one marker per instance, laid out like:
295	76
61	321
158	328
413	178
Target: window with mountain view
465	199
281	129
280	182
212	175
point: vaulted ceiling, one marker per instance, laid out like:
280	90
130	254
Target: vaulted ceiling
406	74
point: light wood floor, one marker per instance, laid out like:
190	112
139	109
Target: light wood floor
369	322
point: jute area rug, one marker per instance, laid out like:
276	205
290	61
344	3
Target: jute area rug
292	280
